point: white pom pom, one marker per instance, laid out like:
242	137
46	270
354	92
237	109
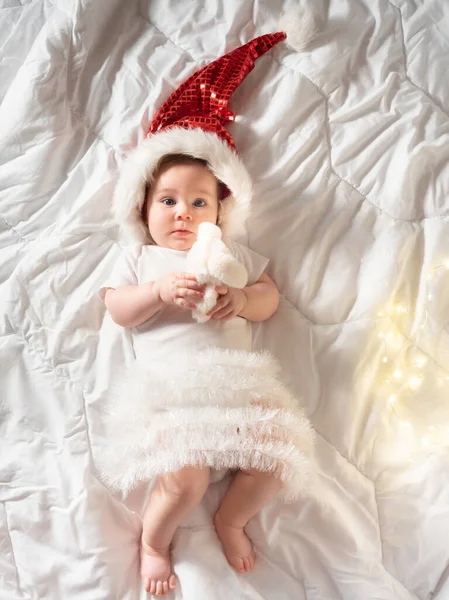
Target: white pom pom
300	26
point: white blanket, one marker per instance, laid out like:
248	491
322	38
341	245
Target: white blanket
348	144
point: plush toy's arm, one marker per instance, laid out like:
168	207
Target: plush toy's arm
223	266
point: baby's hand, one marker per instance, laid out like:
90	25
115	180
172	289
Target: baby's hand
231	302
181	289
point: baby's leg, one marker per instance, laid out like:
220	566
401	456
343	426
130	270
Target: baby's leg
176	495
246	496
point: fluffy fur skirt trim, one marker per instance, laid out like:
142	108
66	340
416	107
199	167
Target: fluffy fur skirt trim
217	408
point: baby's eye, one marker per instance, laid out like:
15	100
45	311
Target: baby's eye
199	203
168	202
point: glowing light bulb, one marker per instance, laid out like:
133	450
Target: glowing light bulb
401	309
385	359
397	374
380	314
392	400
390	337
414	382
380	334
429	297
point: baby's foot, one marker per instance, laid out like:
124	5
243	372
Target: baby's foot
156	571
236	544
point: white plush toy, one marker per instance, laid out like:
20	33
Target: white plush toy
212	262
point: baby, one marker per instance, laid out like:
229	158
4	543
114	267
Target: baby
184	194
197	402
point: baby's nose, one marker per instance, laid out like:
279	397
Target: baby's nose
184	211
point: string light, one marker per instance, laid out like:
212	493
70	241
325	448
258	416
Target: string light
414	382
399	378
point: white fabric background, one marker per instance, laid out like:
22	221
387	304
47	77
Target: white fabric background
348	146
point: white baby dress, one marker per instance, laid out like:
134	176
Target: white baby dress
196	394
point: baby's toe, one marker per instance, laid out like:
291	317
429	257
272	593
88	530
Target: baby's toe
153	587
239	565
164	587
146	584
171	582
159	588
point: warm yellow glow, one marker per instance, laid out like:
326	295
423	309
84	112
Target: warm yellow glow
414	382
392	340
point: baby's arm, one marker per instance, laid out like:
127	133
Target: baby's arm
256	302
132	305
262	299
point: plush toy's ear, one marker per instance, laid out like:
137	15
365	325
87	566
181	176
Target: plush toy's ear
209	231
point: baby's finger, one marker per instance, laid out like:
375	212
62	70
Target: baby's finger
190	284
222	302
186	276
192	295
221	289
223	313
184	303
189	280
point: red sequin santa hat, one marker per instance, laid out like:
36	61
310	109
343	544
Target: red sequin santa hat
192	121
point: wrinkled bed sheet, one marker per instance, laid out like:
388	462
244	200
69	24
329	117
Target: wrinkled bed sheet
348	144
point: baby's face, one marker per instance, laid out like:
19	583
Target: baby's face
183	197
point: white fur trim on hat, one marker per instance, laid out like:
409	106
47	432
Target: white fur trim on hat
141	163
